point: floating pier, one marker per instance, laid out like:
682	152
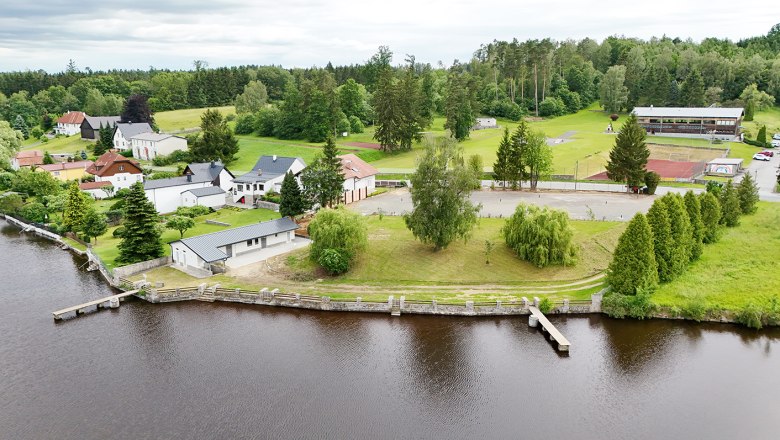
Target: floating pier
537	318
110	301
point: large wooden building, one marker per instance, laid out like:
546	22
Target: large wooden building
722	123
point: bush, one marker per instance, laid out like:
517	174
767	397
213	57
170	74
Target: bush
127	153
750	316
337	229
545	305
694	309
10	203
714	187
230	117
356	125
118	232
34	212
541	236
634	306
343	125
175	157
755	143
6	180
651	181
614	117
36	132
333	261
114	217
266	121
504	108
193	211
552	106
245	123
157	175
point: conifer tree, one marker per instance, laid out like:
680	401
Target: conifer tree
710	217
628	158
105	140
291	201
141	239
729	206
658	219
216	140
693	207
761	136
501	165
692	90
516	167
682	235
323	180
21	125
75	209
633	267
748	195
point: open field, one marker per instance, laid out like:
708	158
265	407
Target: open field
66	144
741	267
180	120
106	246
684	153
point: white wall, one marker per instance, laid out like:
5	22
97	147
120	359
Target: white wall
213	201
169	198
121	180
356	184
148	150
67	129
120	142
184	256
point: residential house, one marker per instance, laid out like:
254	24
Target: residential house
65	171
121	171
235	247
267	175
359	178
126	130
147	146
98	190
697	122
90	126
169	194
27	158
70	123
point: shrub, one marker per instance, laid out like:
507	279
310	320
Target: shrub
333	261
230	117
175	157
114	217
245	123
614	117
34	212
651	181
193	211
266	121
541	236
636	306
545	305
10	203
505	108
118	232
6	180
695	309
750	316
127	153
755	143
356	125
36	132
714	187
157	175
552	106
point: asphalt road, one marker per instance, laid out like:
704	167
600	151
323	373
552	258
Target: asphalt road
765	174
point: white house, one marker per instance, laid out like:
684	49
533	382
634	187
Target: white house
126	130
235	247
169	194
121	171
210	196
359	178
147	146
98	190
70	123
483	123
267	174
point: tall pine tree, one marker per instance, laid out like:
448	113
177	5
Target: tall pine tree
710	217
216	140
291	202
658	218
501	165
747	191
633	267
323	180
141	239
628	158
693	207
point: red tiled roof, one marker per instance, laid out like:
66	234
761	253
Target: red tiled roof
355	167
94	185
66	165
72	118
104	162
29	157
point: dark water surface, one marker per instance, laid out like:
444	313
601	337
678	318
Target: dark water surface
219	371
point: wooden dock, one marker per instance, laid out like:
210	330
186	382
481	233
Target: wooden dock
537	317
109	301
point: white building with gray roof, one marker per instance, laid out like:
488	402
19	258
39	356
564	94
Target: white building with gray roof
147	146
697	122
235	247
267	174
126	130
169	194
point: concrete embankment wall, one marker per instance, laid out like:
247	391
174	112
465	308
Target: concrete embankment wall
41	233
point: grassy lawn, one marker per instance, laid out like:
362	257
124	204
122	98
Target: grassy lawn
740	267
75	244
179	120
106	246
769	117
66	144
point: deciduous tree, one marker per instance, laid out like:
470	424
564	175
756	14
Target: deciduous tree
252	99
94	224
337	230
612	90
136	109
180	223
538	157
541	236
76	208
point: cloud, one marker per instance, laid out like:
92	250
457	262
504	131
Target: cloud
171	33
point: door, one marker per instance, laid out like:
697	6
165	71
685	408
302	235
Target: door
262	242
229	250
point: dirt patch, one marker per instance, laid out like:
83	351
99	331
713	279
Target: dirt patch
684	154
667	169
370	145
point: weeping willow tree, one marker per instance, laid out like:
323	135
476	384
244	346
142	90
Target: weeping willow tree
541	236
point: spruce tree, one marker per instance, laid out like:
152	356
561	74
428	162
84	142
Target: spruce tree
516	168
323	180
47	159
729	206
748	195
658	218
501	165
105	140
75	208
628	158
292	202
141	239
692	91
633	267
216	140
682	234
20	125
693	207
710	217
761	137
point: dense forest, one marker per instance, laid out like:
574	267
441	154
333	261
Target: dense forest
506	79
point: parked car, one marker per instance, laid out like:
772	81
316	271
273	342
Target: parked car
767	153
776	136
776	143
759	156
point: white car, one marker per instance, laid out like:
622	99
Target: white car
776	136
759	156
775	143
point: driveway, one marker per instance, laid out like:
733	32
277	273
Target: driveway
579	205
257	256
765	174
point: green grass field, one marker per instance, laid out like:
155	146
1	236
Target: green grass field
741	267
179	120
106	246
67	144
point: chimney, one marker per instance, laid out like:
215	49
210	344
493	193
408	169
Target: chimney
259	172
274	158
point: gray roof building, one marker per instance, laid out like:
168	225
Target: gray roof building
689	112
193	173
130	129
206	191
95	122
268	168
207	246
154	137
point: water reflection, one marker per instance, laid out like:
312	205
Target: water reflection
634	347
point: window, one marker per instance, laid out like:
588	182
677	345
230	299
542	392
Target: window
256	240
121	167
240	187
249	242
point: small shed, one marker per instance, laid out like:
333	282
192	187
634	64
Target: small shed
725	166
211	196
483	123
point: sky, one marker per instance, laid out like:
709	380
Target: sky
137	34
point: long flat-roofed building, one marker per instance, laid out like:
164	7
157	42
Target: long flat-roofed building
704	122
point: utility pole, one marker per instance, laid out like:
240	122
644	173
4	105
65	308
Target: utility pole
576	168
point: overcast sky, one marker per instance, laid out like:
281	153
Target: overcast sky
103	34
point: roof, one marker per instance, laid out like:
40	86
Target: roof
67	165
154	137
93	185
206	246
103	163
354	167
206	191
96	121
130	129
200	172
268	168
689	112
726	161
29	158
72	118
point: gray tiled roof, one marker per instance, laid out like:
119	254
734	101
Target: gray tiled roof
201	173
96	121
268	168
132	129
152	136
206	191
206	246
689	112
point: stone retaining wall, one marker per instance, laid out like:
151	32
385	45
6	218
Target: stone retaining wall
132	269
